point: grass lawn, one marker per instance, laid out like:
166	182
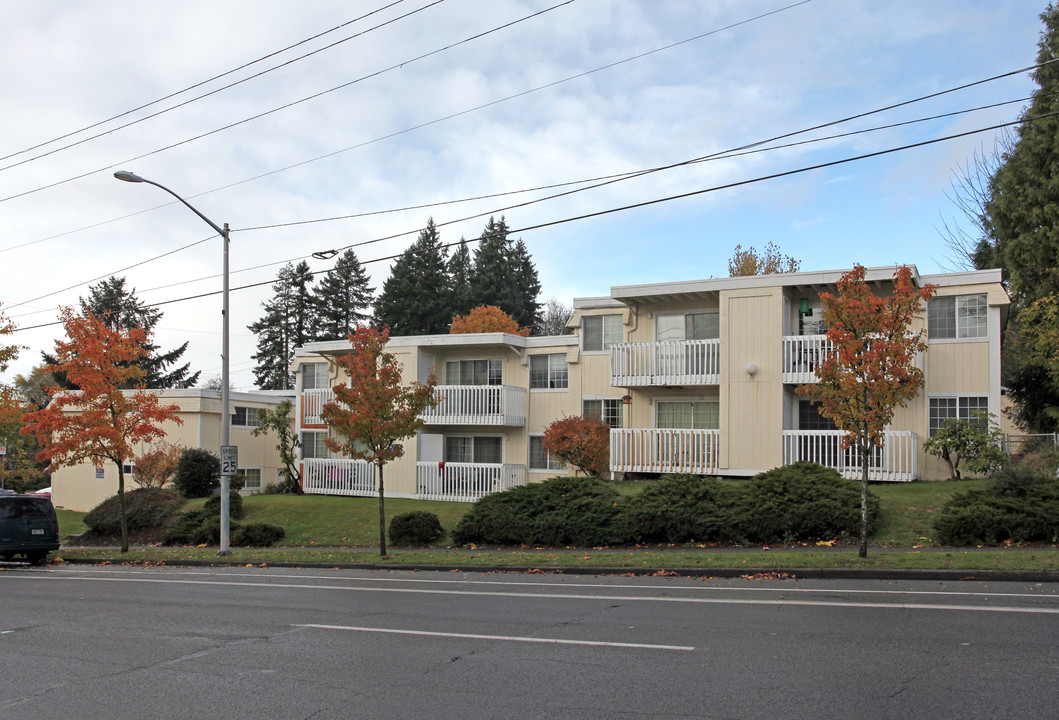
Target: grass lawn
324	529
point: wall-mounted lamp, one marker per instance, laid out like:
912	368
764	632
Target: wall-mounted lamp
626	400
751	369
804	308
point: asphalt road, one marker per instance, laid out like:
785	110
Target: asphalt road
126	642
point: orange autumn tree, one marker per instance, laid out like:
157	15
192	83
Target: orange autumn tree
99	422
484	319
581	442
872	369
374	411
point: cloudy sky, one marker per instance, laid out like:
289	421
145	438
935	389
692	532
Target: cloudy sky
322	125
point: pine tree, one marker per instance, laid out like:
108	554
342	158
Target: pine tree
460	269
415	298
528	286
120	309
288	322
342	298
1021	213
504	275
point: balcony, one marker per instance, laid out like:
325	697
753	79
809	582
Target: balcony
325	476
652	450
801	355
313	402
466	482
671	362
895	461
503	405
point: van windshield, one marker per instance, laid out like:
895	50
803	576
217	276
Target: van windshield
16	507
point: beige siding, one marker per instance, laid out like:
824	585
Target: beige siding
957	367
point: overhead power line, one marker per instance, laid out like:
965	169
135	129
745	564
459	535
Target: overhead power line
633	206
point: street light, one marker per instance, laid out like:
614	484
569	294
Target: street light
226	419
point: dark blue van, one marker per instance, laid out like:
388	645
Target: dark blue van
28	527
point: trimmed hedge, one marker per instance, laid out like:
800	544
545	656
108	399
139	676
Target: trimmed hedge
198	473
145	508
416	528
681	509
1019	505
558	512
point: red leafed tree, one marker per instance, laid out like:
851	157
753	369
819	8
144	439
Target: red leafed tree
99	422
486	318
10	403
872	369
581	442
375	411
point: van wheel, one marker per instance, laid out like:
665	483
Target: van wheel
36	558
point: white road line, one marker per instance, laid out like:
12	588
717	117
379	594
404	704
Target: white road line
561	596
617	586
508	638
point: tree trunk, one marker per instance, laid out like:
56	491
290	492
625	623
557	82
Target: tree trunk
121	508
864	461
382	515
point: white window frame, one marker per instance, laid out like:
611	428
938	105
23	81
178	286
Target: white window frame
491	365
249	416
604	400
550	464
960	324
963	411
608	336
311	379
318	438
692	402
557	369
260	478
473	437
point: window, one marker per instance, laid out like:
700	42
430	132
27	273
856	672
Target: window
960	407
473	372
691	326
609	410
539	458
315	376
244	417
251	478
128	469
313	445
473	449
698	415
600	332
960	316
809	417
549	372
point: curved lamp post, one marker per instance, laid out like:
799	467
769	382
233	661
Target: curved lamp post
226	418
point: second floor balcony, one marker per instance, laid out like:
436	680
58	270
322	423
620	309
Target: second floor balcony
497	405
801	355
666	363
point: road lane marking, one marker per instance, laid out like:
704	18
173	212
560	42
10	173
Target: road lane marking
557	596
507	638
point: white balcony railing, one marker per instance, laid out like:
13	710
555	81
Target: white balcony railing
895	461
671	362
466	482
313	402
656	450
325	476
478	405
801	355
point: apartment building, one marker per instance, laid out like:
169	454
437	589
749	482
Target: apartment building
694	376
83	486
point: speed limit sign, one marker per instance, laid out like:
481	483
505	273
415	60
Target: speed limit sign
229	460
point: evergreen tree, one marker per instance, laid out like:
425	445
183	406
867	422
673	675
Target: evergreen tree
342	298
120	309
288	322
415	298
460	269
504	275
1021	213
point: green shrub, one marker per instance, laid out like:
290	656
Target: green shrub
802	502
196	527
681	509
198	473
145	508
256	534
235	505
415	528
562	511
1019	505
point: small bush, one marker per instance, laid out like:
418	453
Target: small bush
196	527
681	509
415	528
803	502
235	505
145	508
256	535
1019	505
198	473
562	511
